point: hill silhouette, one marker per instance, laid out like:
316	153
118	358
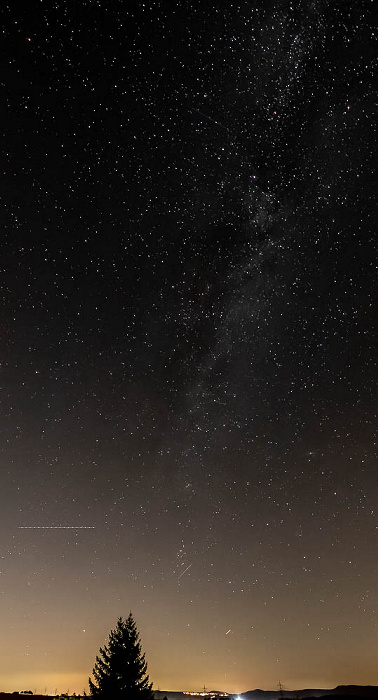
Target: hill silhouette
341	691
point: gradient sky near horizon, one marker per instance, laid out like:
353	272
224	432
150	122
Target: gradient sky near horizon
189	341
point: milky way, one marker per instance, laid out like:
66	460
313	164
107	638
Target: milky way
189	341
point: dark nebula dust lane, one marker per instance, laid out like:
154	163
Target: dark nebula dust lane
188	341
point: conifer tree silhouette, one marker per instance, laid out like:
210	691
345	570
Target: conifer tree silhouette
120	670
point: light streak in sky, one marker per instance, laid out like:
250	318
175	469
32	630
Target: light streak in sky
57	527
184	572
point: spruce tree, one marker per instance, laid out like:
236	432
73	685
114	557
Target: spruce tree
120	670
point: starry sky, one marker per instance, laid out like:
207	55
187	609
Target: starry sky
189	341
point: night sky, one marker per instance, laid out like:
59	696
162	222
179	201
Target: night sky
189	341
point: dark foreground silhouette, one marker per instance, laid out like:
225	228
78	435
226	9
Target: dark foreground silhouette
341	692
